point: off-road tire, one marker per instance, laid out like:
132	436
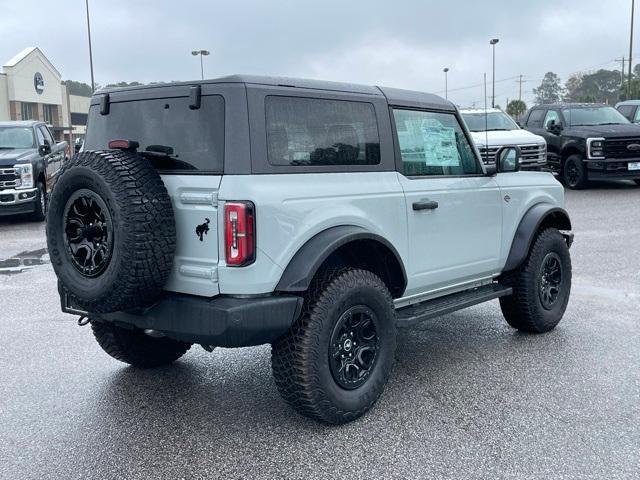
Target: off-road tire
574	173
524	309
136	348
40	208
300	360
144	235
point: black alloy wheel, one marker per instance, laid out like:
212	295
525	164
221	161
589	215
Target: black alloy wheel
88	232
353	349
550	280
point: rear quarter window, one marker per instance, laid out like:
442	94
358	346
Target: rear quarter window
182	139
309	132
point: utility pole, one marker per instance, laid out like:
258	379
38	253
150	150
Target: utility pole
630	52
520	92
621	72
446	86
93	84
493	42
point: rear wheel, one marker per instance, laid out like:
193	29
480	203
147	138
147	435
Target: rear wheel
541	285
335	361
135	347
574	173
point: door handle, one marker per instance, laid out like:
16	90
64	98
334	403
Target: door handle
425	205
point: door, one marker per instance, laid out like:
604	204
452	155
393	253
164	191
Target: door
453	208
552	125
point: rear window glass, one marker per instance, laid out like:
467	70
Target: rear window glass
310	132
175	136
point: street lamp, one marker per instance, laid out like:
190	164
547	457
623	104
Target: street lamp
201	53
493	42
446	88
630	52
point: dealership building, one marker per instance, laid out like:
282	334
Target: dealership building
31	89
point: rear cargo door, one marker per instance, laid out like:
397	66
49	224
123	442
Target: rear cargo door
195	206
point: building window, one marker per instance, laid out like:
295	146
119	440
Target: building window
47	111
26	110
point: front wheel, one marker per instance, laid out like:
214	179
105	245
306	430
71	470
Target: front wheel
135	347
574	173
40	210
335	361
541	285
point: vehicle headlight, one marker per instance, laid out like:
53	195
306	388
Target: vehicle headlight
25	170
596	147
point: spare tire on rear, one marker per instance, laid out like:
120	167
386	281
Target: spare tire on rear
110	231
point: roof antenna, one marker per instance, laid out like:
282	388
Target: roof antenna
486	122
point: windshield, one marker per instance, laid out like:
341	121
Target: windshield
16	137
494	121
593	116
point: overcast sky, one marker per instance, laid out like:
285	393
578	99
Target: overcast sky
399	43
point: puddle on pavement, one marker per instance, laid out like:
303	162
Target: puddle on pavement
24	261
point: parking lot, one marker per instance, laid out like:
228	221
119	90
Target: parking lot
469	398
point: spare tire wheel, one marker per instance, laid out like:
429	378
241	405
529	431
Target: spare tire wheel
110	231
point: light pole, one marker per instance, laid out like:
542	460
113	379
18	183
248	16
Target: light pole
630	52
93	84
493	42
446	87
201	53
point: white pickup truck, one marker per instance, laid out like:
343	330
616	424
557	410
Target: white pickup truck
498	129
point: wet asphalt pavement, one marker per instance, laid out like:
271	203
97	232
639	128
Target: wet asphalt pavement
469	397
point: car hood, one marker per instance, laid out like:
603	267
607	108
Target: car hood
506	137
606	131
10	157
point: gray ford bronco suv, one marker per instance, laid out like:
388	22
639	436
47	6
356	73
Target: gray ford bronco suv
315	216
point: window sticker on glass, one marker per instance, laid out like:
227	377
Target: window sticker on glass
439	144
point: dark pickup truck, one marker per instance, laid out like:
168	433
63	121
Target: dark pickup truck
587	141
30	160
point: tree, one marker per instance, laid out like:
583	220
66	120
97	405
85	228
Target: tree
78	88
600	86
124	84
515	108
550	90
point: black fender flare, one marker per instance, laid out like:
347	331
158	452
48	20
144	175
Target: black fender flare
529	225
305	263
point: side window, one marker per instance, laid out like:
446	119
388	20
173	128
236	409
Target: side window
535	118
40	136
47	135
311	131
433	143
636	117
627	111
552	116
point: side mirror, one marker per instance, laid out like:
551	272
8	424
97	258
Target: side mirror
554	128
508	159
44	149
77	147
491	170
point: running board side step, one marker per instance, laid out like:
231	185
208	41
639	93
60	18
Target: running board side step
414	314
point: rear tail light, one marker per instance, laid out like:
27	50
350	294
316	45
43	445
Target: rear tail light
239	233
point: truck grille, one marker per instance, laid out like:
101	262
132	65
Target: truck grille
9	178
617	148
528	154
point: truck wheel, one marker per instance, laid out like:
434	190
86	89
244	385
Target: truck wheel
135	347
335	361
574	173
541	285
110	231
40	210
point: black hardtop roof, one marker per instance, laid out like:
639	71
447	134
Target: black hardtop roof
394	96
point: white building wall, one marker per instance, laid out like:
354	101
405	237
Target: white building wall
20	79
4	99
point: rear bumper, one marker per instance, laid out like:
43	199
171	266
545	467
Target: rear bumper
221	321
15	202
